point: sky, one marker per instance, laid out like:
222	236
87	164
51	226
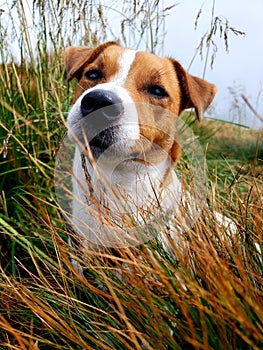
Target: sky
239	70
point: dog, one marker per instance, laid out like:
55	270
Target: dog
123	126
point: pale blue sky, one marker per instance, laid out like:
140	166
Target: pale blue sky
241	68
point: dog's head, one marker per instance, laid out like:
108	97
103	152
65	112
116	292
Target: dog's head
128	100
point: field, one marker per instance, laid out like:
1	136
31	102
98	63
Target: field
210	297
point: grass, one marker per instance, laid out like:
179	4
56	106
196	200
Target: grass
210	298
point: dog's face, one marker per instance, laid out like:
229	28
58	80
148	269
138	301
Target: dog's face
128	101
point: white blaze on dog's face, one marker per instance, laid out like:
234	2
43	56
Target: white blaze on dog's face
122	97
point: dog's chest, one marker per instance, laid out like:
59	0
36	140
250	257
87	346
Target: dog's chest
131	186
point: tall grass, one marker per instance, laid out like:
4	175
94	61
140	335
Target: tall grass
210	297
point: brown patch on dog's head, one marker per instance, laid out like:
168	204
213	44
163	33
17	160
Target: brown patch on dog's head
80	60
76	57
180	91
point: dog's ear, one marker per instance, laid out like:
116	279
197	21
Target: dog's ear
75	59
197	93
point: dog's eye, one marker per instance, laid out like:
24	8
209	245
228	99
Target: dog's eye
157	91
93	74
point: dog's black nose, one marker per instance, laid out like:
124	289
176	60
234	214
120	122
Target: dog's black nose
98	99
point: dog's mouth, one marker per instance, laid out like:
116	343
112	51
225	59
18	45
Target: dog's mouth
103	140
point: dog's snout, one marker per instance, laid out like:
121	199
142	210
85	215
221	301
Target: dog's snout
109	102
